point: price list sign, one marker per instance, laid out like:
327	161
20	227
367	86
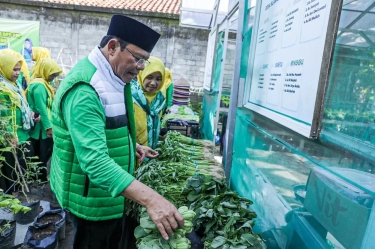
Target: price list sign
287	71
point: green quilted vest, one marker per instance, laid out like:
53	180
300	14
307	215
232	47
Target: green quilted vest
72	187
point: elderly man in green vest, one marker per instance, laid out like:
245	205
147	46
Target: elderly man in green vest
94	140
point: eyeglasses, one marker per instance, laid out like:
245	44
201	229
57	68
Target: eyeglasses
140	62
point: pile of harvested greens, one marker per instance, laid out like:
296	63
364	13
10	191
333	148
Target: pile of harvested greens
187	175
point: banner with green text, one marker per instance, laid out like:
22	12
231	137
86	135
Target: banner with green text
19	35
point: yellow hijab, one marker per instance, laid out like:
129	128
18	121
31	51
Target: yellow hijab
46	68
168	81
39	53
156	65
7	64
24	69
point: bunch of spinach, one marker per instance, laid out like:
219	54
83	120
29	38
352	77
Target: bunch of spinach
223	217
166	178
148	236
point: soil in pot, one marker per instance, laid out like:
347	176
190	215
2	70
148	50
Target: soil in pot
42	237
56	217
49	218
8	235
42	233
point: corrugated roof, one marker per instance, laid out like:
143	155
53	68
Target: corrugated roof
158	6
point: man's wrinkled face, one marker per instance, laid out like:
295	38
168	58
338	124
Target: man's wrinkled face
124	63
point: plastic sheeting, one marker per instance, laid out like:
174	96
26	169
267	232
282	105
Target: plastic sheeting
211	98
272	164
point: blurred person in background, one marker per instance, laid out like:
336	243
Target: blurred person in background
40	95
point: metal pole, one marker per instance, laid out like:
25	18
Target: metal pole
229	137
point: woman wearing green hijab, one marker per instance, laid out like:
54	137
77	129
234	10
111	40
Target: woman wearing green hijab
18	118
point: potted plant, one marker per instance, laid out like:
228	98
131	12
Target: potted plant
8	227
23	178
30	193
7	233
224	101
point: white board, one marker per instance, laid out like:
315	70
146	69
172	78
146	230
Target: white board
286	62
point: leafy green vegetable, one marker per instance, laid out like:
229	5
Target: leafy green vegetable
12	203
148	235
186	174
222	215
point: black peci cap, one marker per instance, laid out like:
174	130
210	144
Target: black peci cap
134	32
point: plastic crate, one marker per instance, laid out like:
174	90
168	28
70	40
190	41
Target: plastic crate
186	128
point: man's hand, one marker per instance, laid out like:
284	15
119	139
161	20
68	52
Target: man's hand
150	153
49	132
165	216
145	151
140	153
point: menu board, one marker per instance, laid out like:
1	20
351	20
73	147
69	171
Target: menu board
286	63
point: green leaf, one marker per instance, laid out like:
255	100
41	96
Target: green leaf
229	224
238	247
164	244
209	225
139	232
247	224
228	205
210	213
218	242
250	238
192	196
172	242
146	223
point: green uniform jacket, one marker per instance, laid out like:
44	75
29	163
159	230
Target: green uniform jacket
38	99
93	154
169	96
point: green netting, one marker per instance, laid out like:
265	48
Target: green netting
272	164
218	62
247	31
350	103
210	98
